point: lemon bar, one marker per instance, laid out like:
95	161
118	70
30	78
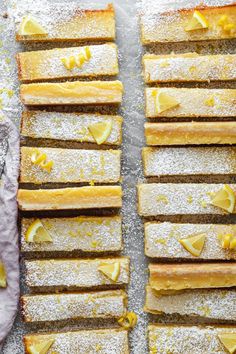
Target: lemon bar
190	133
83	233
67	165
74	274
179	199
48	64
206	303
188	161
162	240
190	102
189	67
100	341
59	307
170	26
70	198
72	93
165	277
63	23
182	339
68	126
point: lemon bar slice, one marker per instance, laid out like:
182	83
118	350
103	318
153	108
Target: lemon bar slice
59	307
47	64
189	161
171	26
190	133
72	93
100	341
204	303
76	24
162	240
167	277
192	102
190	67
68	126
156	199
179	338
83	233
70	166
70	198
74	274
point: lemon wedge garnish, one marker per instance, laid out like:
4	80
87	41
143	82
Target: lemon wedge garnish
198	21
42	347
100	131
29	26
69	63
3	277
164	102
224	199
229	341
194	244
128	321
110	270
37	233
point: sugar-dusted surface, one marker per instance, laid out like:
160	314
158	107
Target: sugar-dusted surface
102	166
162	240
179	339
189	67
68	126
74	273
213	303
178	199
189	161
59	307
87	234
105	341
193	102
47	64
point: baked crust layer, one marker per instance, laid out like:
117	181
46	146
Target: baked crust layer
70	198
162	240
107	340
48	65
68	126
189	67
71	166
190	133
178	199
193	102
165	277
76	24
59	307
82	233
170	26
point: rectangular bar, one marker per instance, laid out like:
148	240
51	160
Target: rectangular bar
82	233
184	339
165	277
190	133
48	64
74	274
68	126
189	161
189	67
162	240
102	341
216	304
70	198
191	102
179	199
62	23
70	166
72	93
59	307
169	26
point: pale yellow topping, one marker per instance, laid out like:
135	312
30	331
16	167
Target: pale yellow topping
3	277
197	22
128	321
37	233
229	341
110	270
164	102
194	244
29	26
42	347
37	158
100	131
224	199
